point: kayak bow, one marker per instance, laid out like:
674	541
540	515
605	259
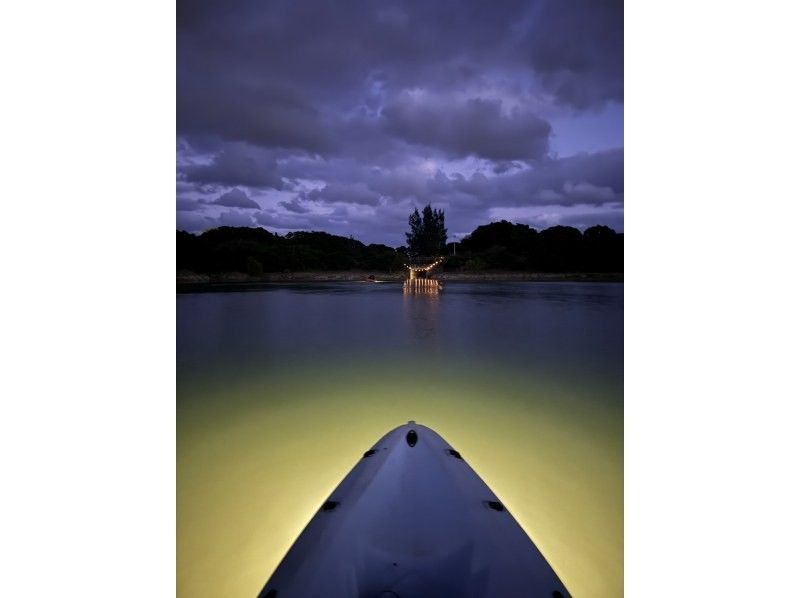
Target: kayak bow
413	520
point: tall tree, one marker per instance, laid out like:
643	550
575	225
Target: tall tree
428	234
414	238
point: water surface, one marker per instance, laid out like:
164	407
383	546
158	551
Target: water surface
280	391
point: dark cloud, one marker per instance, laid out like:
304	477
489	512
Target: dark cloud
373	204
236	198
343	116
253	112
295	206
585	178
357	193
186	205
236	164
323	47
285	75
576	48
504	167
475	127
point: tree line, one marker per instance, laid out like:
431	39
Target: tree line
507	246
496	246
255	251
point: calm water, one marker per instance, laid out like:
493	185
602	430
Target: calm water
281	390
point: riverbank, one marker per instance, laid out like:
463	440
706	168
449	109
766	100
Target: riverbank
188	281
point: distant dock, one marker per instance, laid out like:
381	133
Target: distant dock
423	275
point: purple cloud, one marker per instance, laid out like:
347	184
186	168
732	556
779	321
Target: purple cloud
236	198
343	117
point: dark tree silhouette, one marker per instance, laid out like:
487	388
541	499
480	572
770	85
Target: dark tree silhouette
502	245
603	249
496	246
428	235
558	249
414	238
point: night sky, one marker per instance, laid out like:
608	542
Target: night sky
343	116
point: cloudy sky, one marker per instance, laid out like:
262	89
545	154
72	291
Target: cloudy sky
343	115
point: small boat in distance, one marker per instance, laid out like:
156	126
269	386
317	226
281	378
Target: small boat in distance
413	520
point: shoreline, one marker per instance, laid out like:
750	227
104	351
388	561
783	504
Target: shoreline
190	281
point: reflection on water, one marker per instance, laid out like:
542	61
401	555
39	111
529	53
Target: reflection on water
281	391
421	308
422	286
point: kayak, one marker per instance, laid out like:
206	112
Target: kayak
413	520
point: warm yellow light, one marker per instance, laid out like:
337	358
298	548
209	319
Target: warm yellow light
548	451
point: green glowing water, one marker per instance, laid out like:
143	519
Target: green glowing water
280	392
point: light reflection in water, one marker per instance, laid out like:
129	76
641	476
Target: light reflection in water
421	307
256	461
422	286
281	391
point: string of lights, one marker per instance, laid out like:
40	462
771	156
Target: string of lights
427	268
